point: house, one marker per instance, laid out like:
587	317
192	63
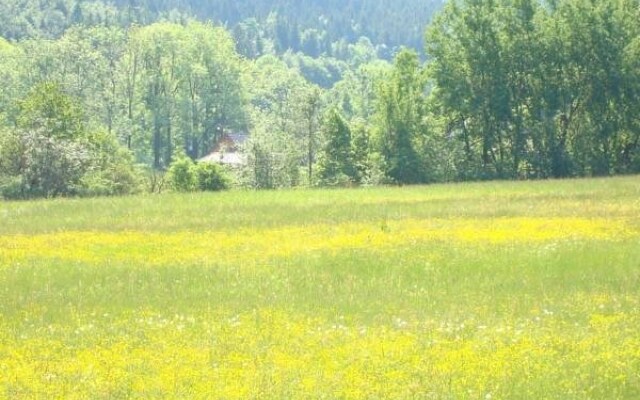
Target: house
228	150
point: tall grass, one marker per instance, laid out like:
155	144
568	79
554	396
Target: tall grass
477	291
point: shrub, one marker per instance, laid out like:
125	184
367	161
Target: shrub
41	166
11	188
113	172
211	177
181	175
185	176
116	180
33	164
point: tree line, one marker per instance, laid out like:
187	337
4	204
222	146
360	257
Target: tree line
536	89
511	90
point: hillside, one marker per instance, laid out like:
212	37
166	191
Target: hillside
392	24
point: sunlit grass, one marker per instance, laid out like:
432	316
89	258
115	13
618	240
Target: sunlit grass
477	291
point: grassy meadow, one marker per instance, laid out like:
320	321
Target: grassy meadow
472	291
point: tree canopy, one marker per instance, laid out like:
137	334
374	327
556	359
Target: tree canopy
516	89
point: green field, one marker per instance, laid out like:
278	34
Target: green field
472	291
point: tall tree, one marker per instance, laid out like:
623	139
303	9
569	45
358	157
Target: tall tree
400	119
279	128
310	112
533	90
337	164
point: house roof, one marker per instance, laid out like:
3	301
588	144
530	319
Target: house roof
227	150
230	142
223	158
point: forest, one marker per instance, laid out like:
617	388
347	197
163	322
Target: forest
103	98
295	24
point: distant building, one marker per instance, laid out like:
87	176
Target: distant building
228	150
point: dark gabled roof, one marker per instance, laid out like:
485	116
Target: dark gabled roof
227	150
230	142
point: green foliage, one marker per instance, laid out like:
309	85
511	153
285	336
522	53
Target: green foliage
323	71
50	153
116	180
181	175
337	165
36	165
272	163
260	171
257	25
48	109
186	82
284	109
161	89
511	90
44	166
11	188
400	120
113	172
211	177
356	94
361	151
186	176
9	145
534	91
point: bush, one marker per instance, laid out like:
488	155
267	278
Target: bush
34	165
211	177
45	166
181	175
185	176
11	188
117	180
112	172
